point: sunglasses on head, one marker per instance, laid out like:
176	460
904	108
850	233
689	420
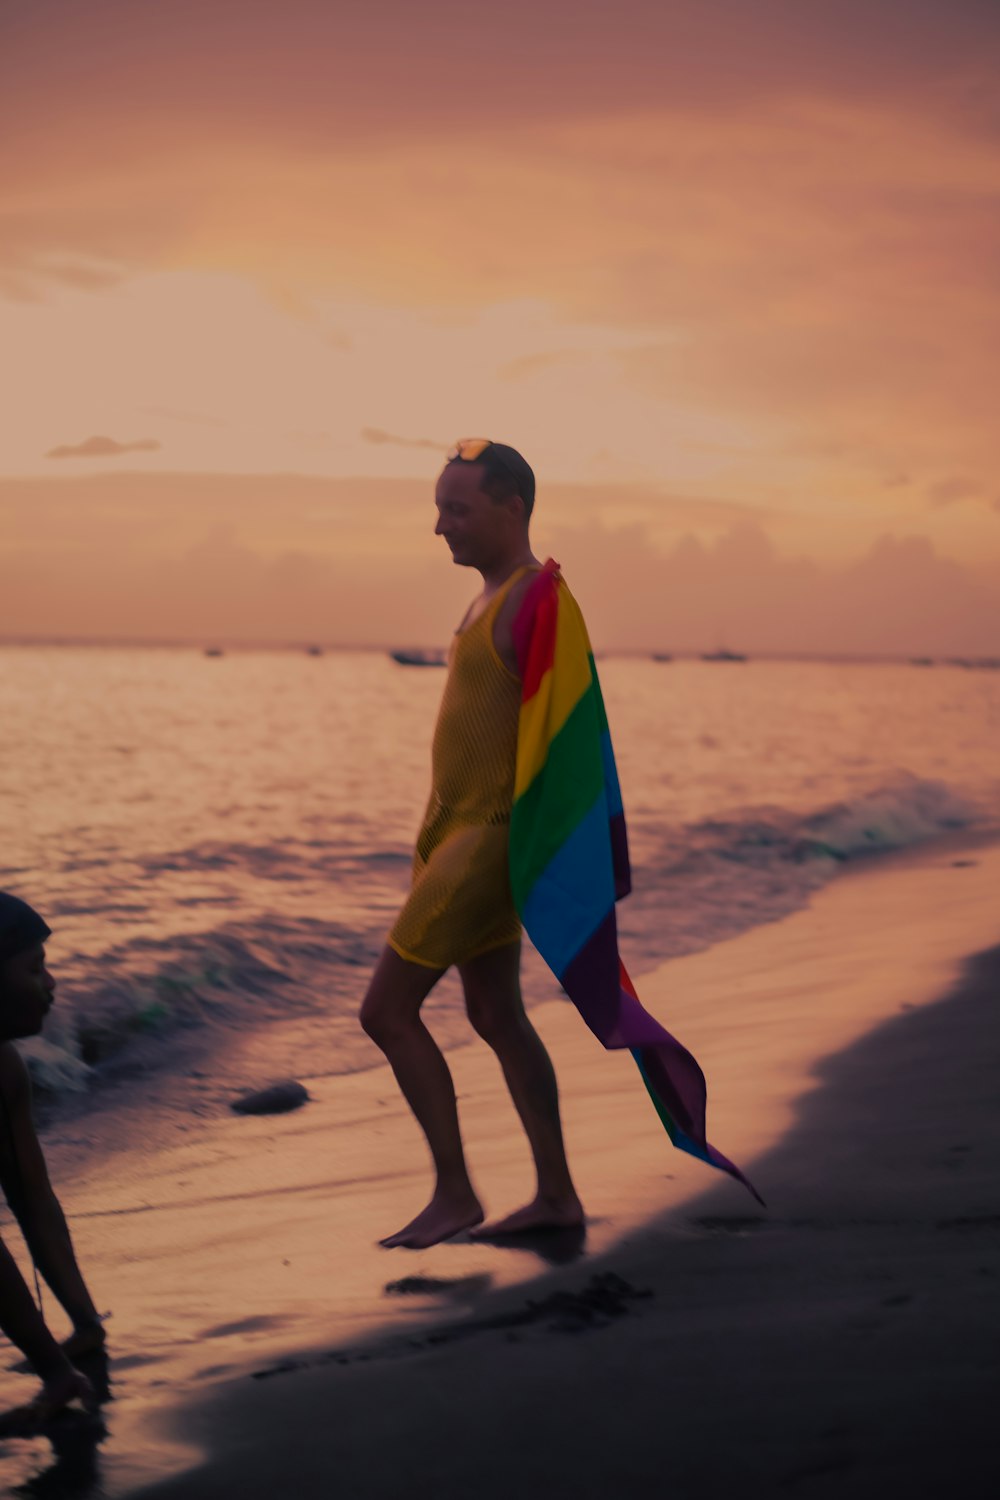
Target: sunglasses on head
469	449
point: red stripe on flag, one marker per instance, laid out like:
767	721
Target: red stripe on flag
626	982
543	645
537	618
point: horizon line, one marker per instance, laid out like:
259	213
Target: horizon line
303	645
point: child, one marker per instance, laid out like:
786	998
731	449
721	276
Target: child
26	991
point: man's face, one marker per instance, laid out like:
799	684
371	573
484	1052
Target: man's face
476	527
27	990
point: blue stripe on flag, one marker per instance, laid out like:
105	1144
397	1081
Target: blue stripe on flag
574	893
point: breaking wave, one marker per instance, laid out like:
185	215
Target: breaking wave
136	1005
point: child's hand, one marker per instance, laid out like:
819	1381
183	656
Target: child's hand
70	1385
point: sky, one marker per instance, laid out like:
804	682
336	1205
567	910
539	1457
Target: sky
724	270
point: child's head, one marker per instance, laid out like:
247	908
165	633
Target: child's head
26	986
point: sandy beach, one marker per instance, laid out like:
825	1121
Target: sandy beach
840	1343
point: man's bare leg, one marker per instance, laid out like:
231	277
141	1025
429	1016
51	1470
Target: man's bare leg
390	1015
493	998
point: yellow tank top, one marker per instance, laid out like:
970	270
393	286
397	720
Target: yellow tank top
475	742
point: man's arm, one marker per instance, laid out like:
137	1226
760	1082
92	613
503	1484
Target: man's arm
36	1207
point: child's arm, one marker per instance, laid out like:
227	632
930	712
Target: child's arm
23	1323
24	1326
37	1208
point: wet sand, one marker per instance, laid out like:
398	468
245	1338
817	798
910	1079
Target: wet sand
839	1343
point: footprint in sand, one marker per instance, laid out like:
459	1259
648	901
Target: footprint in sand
460	1289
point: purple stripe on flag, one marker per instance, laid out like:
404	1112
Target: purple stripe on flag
591	980
617	1019
678	1081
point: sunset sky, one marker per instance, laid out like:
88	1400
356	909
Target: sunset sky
725	270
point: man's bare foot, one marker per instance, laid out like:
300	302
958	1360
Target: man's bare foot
540	1213
444	1217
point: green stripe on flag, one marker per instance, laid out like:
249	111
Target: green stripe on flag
602	717
560	796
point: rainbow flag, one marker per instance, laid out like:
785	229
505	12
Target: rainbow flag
569	855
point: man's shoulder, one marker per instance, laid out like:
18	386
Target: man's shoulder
507	614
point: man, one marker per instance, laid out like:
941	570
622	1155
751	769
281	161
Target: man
460	911
26	996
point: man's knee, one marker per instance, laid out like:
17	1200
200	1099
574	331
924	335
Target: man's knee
494	1018
391	1008
382	1020
388	1017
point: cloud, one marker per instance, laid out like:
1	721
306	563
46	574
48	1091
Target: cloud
900	598
323	140
958	487
808	264
378	436
795	202
103	447
290	557
308	70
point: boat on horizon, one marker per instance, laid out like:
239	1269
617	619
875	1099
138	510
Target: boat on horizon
431	656
976	663
662	656
722	656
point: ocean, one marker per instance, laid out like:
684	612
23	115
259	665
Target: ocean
220	843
